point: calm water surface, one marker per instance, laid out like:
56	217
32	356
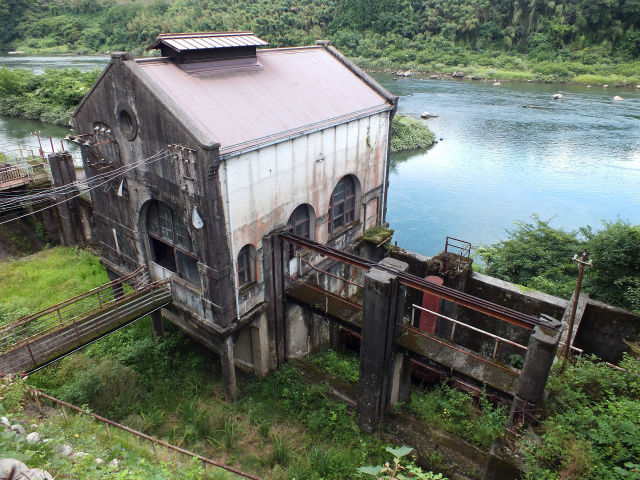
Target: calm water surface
16	133
575	160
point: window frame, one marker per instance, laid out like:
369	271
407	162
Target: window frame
246	259
170	243
293	225
347	204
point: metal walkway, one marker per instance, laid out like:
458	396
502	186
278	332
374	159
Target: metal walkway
36	340
488	363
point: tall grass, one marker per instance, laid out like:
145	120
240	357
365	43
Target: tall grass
33	283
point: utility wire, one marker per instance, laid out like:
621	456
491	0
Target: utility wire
160	155
83	185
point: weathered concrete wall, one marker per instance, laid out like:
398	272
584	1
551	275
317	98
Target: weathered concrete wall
262	188
604	328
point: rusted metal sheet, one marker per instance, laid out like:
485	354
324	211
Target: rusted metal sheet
428	321
292	92
200	41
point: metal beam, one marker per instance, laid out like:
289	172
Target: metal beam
446	293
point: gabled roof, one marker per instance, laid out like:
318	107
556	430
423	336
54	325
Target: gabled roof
181	42
283	93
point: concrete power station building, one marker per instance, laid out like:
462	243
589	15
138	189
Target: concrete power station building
223	145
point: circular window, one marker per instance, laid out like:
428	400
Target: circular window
128	123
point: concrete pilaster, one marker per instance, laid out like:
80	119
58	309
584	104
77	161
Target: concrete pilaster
272	261
63	173
383	307
157	325
228	369
541	352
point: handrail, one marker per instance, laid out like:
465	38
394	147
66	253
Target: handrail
470	327
447	293
460	350
81	317
38	393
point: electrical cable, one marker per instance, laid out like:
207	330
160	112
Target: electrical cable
121	171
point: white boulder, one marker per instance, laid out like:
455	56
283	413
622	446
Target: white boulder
497	84
7	465
19	429
35	474
557	96
5	421
66	450
34	437
617	98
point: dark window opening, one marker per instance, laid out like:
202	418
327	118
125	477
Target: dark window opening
246	266
163	254
299	224
342	206
170	244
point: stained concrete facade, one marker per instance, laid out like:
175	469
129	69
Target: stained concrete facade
221	198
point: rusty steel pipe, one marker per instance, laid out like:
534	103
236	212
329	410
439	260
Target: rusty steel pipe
146	437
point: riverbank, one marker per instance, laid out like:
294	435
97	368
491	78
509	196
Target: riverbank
616	75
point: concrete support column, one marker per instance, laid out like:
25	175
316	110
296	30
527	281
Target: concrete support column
273	268
157	325
228	369
260	347
541	352
383	307
63	173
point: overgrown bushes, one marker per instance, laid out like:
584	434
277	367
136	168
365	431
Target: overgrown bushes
539	256
591	426
409	134
48	97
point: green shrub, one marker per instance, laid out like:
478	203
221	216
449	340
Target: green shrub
409	134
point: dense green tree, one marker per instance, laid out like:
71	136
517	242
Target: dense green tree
539	256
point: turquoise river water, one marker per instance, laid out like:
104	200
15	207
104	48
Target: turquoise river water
575	160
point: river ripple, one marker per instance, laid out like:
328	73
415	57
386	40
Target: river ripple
575	160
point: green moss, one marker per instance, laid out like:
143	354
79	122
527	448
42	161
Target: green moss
377	234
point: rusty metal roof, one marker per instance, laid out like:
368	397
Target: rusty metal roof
202	41
286	93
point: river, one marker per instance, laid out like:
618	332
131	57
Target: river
575	160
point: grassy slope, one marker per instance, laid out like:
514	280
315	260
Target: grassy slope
32	283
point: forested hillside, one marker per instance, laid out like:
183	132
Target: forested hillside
586	36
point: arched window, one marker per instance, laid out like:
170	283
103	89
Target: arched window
342	206
300	224
170	244
246	265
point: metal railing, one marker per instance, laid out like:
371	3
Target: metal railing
111	295
11	173
462	246
496	338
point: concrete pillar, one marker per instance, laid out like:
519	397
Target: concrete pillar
383	307
157	325
63	173
228	369
273	270
260	346
541	352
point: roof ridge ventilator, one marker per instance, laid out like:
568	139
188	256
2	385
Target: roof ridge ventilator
227	49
